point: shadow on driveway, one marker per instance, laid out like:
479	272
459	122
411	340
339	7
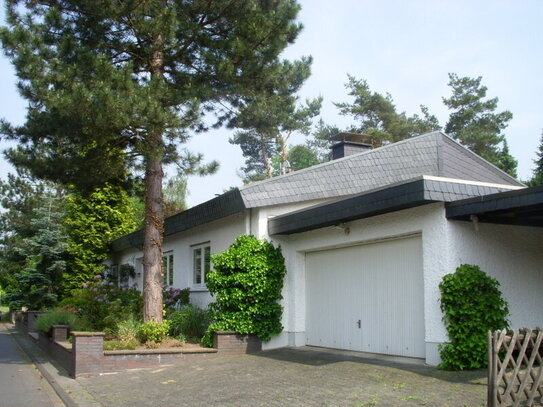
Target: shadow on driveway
315	356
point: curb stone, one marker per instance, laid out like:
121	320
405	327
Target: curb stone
69	390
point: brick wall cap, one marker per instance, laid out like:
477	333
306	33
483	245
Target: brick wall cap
79	333
60	326
159	351
230	333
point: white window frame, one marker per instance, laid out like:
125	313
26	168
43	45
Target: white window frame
117	269
168	268
201	263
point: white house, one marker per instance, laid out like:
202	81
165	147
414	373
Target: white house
367	238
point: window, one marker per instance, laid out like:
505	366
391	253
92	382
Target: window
167	268
201	263
120	274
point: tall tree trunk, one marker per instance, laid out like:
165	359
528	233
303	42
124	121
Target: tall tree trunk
152	243
154	212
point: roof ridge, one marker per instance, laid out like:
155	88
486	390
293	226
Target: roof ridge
484	161
434	134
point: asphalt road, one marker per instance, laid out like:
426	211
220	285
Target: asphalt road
21	385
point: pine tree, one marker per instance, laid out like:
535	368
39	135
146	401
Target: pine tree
113	84
377	116
537	178
34	242
506	161
268	118
474	122
319	140
175	195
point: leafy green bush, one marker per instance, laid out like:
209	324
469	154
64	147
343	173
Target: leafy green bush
191	322
116	344
153	331
92	221
59	317
247	283
472	305
127	332
104	304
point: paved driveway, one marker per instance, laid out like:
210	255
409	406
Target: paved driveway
290	377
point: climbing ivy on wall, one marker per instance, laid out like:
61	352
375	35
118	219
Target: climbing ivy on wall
472	304
246	282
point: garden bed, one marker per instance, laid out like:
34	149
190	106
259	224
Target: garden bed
86	356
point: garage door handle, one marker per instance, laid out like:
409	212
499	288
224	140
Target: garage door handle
359	323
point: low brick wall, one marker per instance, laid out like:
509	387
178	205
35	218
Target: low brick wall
61	351
235	343
86	355
31	319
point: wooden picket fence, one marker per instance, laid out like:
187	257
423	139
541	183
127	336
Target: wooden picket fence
515	368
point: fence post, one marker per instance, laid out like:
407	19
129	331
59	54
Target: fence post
490	383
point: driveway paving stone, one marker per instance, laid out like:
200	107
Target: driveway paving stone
290	377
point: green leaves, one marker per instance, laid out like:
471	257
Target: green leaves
377	116
247	283
474	122
472	305
92	221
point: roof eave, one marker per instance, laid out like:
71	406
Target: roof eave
217	208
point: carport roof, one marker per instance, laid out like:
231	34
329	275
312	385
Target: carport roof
520	207
415	192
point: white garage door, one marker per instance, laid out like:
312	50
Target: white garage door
367	298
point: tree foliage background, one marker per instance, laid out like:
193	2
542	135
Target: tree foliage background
111	85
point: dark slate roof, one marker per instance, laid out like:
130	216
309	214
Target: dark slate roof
416	192
521	207
429	154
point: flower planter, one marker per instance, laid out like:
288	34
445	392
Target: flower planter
236	343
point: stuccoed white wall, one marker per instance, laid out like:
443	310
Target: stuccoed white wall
220	234
258	226
427	220
511	254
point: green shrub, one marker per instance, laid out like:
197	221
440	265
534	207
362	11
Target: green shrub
472	305
174	297
247	283
5	317
104	304
191	321
59	317
120	345
153	331
127	331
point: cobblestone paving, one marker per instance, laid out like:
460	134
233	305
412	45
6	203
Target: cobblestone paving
290	377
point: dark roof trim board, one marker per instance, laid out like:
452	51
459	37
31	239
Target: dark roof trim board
420	191
432	154
224	205
520	207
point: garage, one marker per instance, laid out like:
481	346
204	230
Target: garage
367	297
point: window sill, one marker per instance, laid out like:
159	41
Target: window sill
199	289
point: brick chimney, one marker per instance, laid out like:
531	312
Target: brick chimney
347	143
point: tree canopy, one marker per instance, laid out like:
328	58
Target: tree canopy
377	118
475	123
537	178
33	241
269	117
115	84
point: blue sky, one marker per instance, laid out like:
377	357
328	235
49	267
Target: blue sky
403	48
